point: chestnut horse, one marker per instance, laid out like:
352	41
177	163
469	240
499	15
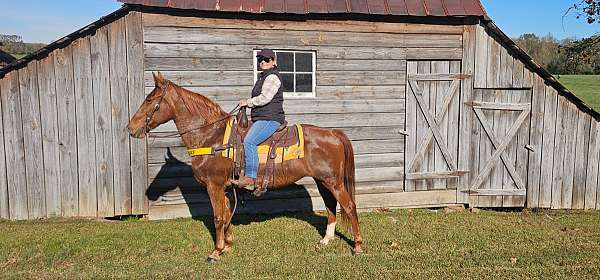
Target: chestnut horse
329	158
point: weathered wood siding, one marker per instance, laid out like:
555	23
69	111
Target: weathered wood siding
361	79
562	147
64	148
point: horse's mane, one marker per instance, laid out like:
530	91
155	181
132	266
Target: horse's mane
201	105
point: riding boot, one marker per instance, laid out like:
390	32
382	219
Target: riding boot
245	182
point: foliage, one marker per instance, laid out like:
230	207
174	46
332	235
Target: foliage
13	44
566	56
401	244
588	9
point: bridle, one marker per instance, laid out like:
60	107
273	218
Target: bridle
156	107
164	90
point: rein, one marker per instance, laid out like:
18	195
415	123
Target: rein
157	107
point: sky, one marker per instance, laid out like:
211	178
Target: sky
45	21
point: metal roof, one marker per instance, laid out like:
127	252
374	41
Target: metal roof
371	7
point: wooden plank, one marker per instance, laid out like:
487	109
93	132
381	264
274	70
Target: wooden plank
569	161
245	64
117	53
548	148
245	51
50	144
151	20
517	72
423	67
453	124
481	57
535	157
581	158
434	175
241	78
103	123
67	124
327	120
4	213
506	182
157	155
494	193
367	201
475	155
446	76
464	140
135	82
32	136
506	68
183	168
504	106
591	184
14	147
411	125
528	78
434	53
520	152
235	93
485	154
493	63
559	152
211	35
438	90
86	148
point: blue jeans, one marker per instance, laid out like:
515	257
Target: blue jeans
259	132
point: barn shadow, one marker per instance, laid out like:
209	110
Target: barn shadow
291	202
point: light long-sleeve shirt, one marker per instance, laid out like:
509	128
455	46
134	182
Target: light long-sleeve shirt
269	89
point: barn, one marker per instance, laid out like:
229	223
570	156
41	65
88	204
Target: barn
441	106
5	58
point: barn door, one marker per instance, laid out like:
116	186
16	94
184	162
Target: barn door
499	147
432	115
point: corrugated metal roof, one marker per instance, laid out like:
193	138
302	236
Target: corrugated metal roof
372	7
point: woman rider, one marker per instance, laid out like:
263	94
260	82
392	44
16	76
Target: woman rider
266	113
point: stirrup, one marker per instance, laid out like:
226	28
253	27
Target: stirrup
258	192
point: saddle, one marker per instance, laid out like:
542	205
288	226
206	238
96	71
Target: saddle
285	144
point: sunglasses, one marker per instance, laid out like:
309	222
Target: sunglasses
262	58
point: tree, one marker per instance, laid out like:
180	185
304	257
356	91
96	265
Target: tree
588	9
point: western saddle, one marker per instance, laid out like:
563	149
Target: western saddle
284	137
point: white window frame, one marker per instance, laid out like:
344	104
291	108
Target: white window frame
294	94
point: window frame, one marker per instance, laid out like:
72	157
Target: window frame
294	94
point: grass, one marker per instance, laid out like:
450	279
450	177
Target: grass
586	87
415	244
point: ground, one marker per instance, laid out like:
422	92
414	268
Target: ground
586	87
416	244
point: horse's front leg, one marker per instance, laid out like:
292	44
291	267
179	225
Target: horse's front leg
221	216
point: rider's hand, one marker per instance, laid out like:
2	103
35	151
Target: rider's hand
243	103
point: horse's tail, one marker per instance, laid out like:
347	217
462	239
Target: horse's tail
349	172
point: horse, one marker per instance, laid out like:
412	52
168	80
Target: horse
328	159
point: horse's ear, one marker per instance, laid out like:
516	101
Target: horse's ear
159	81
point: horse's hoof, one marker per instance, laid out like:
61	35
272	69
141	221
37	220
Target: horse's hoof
211	260
357	252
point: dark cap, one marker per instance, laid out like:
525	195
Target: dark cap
266	53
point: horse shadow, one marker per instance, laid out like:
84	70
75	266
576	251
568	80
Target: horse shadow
175	181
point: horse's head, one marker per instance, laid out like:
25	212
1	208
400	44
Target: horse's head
154	111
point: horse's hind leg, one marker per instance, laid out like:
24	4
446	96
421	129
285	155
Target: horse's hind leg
331	205
336	187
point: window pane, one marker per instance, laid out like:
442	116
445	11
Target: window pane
285	61
304	62
304	83
288	82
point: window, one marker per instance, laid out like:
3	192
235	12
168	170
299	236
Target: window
297	69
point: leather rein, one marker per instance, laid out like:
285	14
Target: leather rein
150	115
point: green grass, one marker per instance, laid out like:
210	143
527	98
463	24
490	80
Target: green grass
417	244
586	87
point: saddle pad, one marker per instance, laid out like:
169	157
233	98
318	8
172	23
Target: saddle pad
294	151
289	152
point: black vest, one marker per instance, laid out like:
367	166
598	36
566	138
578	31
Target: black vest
272	111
